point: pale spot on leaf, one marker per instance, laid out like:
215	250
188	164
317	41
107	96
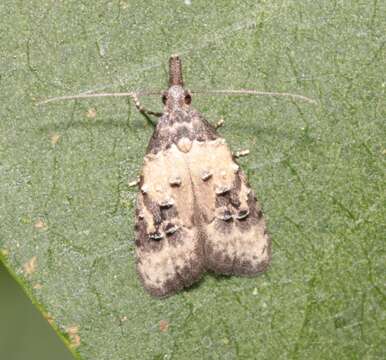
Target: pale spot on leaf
72	332
49	318
124	4
163	325
91	113
40	224
54	137
30	266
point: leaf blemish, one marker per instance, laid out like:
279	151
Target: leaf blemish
72	332
40	224
91	113
30	266
49	318
54	137
163	325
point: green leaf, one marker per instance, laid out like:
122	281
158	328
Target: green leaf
66	230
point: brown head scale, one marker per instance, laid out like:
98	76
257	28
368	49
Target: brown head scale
176	97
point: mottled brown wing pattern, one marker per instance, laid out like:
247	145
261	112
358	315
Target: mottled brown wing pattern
195	210
236	240
168	246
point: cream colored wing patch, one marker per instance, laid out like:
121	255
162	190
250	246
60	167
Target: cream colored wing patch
236	239
169	249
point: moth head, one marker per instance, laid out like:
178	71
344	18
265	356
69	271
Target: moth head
176	97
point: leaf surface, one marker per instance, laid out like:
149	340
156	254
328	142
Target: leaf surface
66	230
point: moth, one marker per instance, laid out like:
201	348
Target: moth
195	209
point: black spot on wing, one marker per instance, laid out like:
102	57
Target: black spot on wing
140	232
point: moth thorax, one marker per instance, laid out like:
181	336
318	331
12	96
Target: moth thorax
184	144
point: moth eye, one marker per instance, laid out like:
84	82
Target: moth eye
164	98
188	98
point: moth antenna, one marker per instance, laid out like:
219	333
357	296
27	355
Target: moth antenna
95	95
258	93
132	95
86	96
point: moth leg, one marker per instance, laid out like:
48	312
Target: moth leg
143	110
219	123
241	153
134	183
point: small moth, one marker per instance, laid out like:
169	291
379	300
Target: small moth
195	210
